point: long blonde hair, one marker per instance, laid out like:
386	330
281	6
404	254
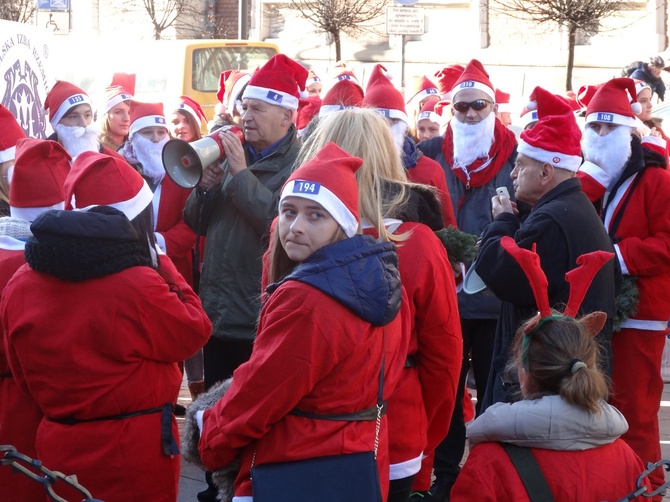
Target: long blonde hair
365	134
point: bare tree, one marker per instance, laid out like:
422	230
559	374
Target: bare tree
163	13
20	11
574	15
341	16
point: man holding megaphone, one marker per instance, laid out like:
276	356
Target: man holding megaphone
233	206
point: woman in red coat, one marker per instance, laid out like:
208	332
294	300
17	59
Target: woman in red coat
95	324
564	420
333	310
409	214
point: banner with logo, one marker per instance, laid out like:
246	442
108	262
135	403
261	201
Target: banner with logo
25	76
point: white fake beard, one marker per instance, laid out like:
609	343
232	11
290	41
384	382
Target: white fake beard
399	131
77	139
611	151
472	141
149	154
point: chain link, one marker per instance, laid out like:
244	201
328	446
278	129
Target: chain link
34	470
642	490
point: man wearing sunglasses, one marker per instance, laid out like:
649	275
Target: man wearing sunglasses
477	154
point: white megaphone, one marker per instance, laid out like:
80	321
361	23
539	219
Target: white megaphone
185	161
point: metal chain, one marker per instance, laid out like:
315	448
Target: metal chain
642	490
34	470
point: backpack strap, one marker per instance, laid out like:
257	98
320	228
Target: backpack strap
530	473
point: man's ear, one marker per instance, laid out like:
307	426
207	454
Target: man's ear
290	117
495	108
548	171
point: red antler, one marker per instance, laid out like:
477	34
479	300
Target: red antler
530	263
580	278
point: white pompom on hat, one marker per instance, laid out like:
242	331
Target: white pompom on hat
279	82
614	102
329	178
97	179
38	177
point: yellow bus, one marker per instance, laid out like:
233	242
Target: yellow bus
164	69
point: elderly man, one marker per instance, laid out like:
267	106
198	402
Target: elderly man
562	223
477	154
234	206
627	179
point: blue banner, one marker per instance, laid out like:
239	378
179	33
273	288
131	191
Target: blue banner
53	4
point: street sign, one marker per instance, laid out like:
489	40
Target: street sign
405	21
53	4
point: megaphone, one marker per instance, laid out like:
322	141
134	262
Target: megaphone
185	161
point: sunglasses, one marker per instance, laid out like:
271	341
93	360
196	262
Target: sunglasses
476	105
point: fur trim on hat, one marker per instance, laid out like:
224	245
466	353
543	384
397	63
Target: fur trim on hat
224	478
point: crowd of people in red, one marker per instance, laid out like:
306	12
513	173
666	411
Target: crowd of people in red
309	264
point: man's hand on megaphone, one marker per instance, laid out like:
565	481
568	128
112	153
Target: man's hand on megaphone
234	152
212	175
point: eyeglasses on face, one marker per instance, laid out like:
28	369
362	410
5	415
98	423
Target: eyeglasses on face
476	105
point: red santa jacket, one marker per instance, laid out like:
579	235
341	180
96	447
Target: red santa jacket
642	237
424	399
19	414
608	473
179	238
311	353
101	348
430	172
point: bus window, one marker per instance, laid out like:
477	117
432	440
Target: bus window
209	62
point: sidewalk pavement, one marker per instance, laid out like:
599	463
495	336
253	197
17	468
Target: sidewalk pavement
192	478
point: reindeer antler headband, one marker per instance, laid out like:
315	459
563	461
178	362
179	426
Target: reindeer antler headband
579	279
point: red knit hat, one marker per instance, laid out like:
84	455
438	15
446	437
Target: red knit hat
474	77
556	138
611	103
502	99
37	179
61	98
446	78
428	113
329	179
419	89
231	83
10	133
383	96
146	115
191	107
344	94
97	179
115	94
125	80
307	110
281	82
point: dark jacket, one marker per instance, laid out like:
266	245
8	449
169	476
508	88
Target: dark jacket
472	207
235	219
564	225
656	83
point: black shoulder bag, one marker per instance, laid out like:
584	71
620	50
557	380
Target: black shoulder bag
530	473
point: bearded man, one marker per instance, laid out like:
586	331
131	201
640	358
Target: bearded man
627	180
71	116
382	96
477	154
147	136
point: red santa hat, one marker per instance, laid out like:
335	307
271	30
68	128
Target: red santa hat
146	115
585	94
191	107
329	179
446	78
421	88
115	94
125	80
10	133
440	106
556	138
611	103
307	110
37	179
312	78
571	97
528	117
344	94
97	179
502	99
474	77
231	84
281	82
381	95
427	112
640	85
61	98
